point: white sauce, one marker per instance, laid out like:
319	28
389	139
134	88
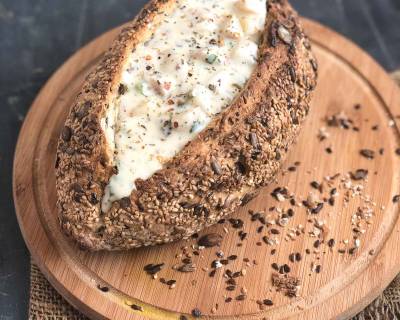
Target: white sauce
194	65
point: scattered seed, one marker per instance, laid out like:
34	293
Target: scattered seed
242	235
186	268
136	307
375	127
366	153
237	274
216	264
352	250
274	231
318	208
286	268
268	302
170	282
241	297
359	174
280	194
210	240
196	313
102	288
265	239
153	268
317	243
255	216
331	243
236	223
315	185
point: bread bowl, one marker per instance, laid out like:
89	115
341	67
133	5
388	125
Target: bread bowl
148	155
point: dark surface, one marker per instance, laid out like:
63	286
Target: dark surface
36	36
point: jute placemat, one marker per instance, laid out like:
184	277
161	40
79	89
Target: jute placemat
47	304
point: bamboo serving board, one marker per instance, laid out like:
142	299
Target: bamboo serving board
336	280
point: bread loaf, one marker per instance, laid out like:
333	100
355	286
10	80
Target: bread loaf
190	112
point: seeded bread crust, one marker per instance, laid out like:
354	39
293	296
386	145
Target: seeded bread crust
223	168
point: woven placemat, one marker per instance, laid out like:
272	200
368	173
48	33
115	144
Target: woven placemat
47	304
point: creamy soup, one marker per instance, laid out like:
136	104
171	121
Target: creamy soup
194	65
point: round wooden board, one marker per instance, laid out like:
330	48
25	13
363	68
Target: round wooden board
346	283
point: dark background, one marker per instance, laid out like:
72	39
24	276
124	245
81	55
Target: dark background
36	36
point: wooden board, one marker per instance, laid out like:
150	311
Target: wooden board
345	284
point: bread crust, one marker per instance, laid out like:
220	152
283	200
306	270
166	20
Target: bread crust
223	168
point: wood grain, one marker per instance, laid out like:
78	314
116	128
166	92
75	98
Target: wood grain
346	283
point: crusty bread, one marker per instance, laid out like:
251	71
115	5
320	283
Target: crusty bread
222	168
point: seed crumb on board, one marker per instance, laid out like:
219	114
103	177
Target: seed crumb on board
266	228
